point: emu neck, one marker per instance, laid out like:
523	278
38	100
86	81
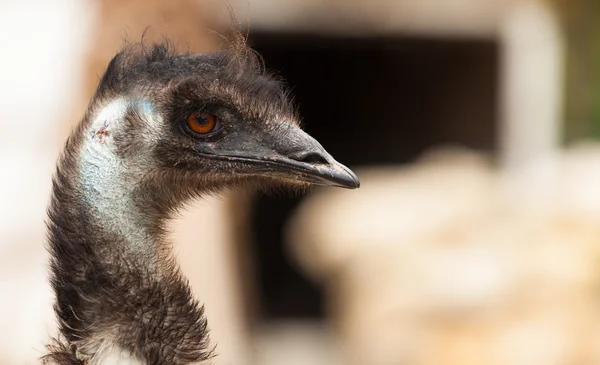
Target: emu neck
110	184
120	294
112	197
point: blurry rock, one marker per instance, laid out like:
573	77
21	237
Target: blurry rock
438	262
409	203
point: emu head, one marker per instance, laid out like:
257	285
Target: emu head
184	123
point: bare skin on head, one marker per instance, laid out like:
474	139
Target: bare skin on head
161	129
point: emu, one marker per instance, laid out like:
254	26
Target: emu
162	128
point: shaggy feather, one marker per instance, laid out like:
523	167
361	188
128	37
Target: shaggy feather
126	170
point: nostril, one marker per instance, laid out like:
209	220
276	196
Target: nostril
312	158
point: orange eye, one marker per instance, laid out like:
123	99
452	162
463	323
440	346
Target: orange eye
202	123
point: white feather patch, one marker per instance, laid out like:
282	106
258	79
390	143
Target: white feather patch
114	356
103	173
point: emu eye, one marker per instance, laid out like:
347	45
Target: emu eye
202	123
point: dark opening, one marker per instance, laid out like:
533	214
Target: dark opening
369	101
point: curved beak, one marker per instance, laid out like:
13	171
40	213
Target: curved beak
301	157
289	154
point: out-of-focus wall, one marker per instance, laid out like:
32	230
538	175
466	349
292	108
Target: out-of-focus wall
42	43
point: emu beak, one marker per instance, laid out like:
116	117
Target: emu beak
288	153
303	158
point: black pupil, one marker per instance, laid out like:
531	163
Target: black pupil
203	120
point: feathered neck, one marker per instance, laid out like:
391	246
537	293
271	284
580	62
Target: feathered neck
120	297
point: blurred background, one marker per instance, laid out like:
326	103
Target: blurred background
473	126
